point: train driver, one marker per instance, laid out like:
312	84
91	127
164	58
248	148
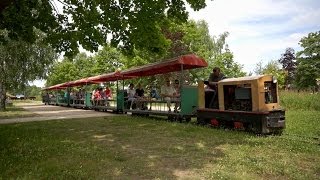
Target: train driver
212	89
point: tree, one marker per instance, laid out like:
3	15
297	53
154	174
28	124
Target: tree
193	37
131	24
289	64
84	65
308	69
227	65
21	62
271	68
258	68
107	60
63	71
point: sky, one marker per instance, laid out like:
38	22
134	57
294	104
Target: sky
259	30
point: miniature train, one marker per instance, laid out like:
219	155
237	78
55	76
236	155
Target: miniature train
250	103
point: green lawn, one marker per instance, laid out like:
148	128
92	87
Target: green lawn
141	148
15	112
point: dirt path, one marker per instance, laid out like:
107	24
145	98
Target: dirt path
49	112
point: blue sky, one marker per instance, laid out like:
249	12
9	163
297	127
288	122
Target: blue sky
260	29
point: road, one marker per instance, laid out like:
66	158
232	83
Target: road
49	112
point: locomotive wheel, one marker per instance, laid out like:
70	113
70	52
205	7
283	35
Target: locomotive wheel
188	119
201	121
278	132
170	118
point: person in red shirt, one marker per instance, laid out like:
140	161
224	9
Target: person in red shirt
108	93
97	96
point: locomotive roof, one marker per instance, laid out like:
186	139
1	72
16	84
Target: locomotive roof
246	78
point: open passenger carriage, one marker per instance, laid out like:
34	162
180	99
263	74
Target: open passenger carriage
188	100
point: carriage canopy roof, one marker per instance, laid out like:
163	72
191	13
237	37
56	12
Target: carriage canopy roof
105	77
179	63
184	62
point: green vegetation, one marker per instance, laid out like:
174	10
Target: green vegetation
308	69
300	101
15	112
143	148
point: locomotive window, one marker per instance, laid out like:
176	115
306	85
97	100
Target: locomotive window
237	97
270	90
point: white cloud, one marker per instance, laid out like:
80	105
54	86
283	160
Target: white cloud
260	29
38	83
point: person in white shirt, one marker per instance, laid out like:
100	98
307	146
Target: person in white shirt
131	94
168	92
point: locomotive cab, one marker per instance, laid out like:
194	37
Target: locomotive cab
254	93
247	102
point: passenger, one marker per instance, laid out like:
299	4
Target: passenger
167	92
103	100
108	93
82	93
139	91
139	97
97	96
176	95
72	96
131	95
92	96
211	92
154	93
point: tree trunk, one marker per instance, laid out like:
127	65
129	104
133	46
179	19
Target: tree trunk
2	97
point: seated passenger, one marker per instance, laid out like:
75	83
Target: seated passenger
167	92
131	95
103	100
108	93
97	96
176	94
140	96
72	97
92	97
154	93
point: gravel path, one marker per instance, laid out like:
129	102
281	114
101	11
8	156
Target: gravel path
49	112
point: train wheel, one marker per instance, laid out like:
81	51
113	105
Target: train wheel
188	119
201	121
278	132
170	118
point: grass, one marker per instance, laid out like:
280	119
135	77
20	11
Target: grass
141	148
300	101
26	101
126	147
15	112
